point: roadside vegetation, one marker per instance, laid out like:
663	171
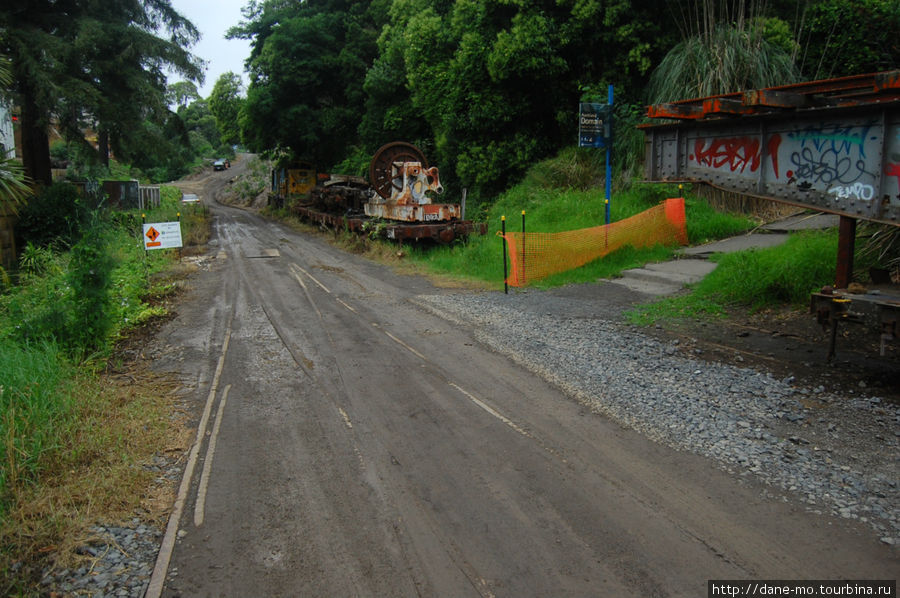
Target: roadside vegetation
75	431
753	279
560	194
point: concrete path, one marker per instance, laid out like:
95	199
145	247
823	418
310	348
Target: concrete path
668	278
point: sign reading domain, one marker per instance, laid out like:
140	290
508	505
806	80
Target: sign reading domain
594	125
162	235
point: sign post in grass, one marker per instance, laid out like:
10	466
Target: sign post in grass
595	130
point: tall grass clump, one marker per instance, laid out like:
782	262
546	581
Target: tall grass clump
35	409
783	274
755	279
725	47
705	224
90	280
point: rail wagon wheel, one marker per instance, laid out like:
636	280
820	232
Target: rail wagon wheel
380	167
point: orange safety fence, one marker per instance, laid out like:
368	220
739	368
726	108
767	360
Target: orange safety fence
537	255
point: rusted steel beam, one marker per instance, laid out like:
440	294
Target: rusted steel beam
726	106
839	92
775	99
677	111
888	80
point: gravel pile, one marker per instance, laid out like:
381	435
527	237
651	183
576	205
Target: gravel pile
120	561
837	453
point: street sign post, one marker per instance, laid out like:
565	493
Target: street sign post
162	235
594	125
595	130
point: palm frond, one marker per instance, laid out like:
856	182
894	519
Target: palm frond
14	189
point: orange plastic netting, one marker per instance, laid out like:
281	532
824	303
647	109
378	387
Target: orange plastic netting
537	255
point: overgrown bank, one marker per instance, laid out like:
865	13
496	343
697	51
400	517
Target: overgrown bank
75	427
565	193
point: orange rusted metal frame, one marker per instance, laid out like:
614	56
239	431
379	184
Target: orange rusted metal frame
855	90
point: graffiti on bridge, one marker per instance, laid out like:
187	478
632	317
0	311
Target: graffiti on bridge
736	153
894	171
854	191
832	155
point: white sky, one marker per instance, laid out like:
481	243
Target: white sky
214	18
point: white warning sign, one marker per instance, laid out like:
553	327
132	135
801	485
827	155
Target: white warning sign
162	235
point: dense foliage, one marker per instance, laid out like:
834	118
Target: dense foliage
489	87
97	65
486	88
850	37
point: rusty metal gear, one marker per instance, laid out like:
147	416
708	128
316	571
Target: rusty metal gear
380	175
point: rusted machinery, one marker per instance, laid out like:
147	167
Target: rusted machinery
831	145
396	202
833	307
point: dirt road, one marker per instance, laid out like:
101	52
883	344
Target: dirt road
352	444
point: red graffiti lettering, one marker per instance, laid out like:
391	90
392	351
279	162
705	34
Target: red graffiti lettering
893	170
737	153
772	147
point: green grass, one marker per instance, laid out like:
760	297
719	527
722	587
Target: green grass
43	338
36	406
548	209
71	438
756	278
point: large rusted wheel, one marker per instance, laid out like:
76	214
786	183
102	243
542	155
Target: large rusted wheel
380	167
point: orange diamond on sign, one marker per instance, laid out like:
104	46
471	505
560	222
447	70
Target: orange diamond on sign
152	233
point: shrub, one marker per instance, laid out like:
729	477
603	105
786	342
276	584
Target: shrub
53	217
90	278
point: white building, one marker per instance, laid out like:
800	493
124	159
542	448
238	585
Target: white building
7	136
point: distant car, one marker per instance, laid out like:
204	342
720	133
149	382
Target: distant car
219	165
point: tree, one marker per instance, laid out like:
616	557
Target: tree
498	82
850	37
182	93
307	65
97	62
198	119
225	103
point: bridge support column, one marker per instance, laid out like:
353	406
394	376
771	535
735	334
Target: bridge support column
846	245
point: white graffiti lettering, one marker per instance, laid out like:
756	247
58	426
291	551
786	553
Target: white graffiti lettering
854	191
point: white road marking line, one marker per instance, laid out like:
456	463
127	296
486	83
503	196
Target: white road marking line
346	418
200	504
312	278
404	345
158	577
345	304
306	291
492	411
